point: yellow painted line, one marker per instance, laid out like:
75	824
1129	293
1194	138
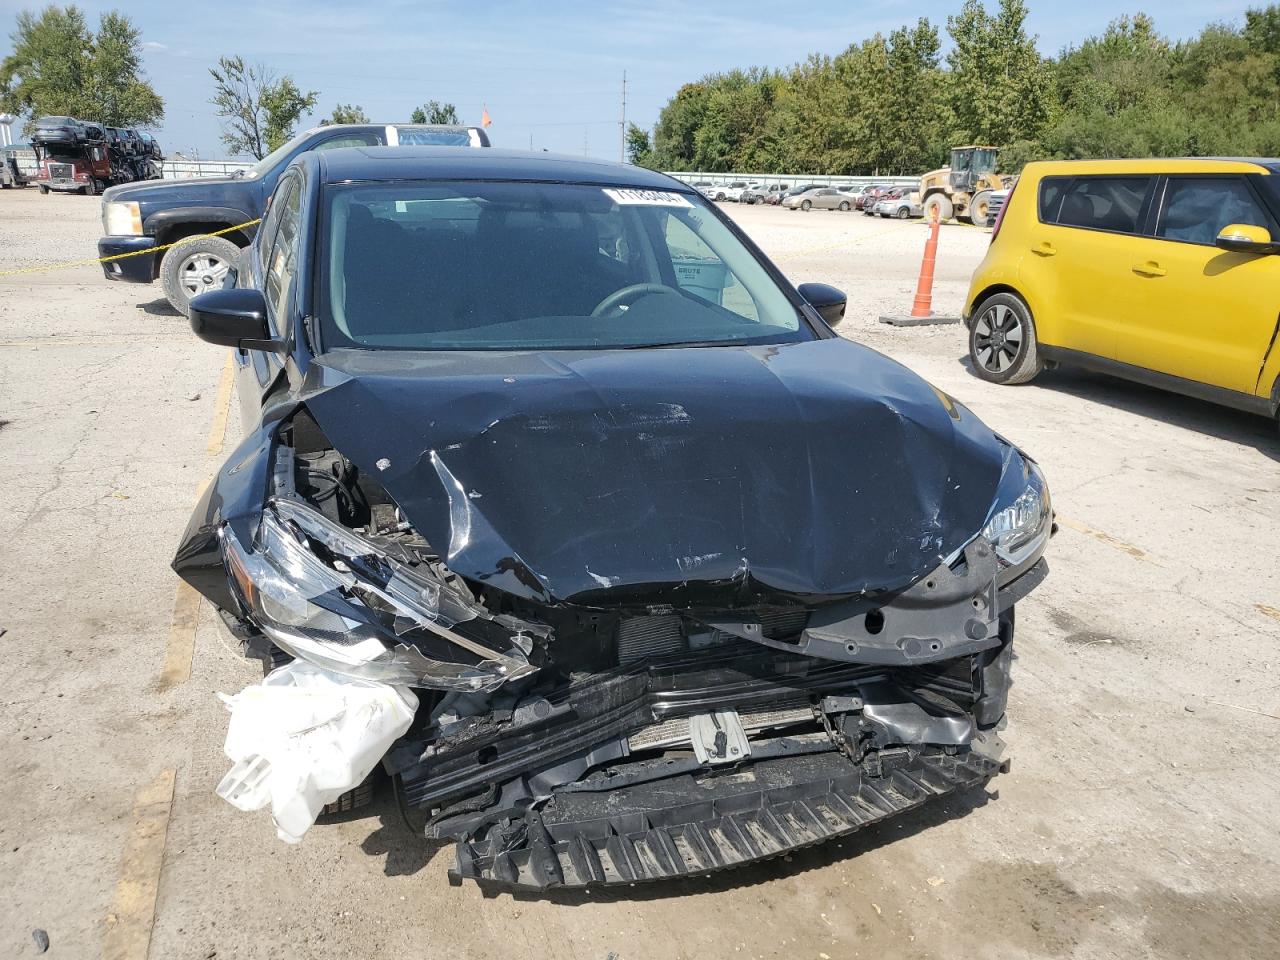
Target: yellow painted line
1136	552
133	908
181	646
1267	611
187	603
221	408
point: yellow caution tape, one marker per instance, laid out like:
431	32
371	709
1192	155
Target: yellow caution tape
122	256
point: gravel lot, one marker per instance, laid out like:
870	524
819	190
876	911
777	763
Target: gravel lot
1139	818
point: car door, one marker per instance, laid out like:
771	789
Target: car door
256	369
1206	314
1080	248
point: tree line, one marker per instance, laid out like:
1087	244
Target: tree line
896	104
61	67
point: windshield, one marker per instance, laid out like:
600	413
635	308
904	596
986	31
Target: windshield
509	266
268	163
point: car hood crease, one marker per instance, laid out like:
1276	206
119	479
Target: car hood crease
718	476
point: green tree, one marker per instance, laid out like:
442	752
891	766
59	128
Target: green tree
433	111
639	149
60	67
346	113
999	88
678	123
259	110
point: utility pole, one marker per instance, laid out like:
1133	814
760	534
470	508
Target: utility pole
622	123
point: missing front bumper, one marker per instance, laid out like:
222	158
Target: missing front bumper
692	825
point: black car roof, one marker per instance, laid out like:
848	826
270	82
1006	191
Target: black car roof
456	163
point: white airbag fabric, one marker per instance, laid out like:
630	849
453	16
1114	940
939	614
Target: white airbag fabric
303	737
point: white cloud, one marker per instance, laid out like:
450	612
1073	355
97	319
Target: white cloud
154	45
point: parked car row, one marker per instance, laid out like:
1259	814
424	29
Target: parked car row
817	196
901	203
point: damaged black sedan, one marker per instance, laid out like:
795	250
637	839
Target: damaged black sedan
559	503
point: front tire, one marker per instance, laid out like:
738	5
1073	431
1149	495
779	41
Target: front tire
937	206
1002	341
193	267
980	208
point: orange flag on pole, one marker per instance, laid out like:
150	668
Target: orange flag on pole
484	117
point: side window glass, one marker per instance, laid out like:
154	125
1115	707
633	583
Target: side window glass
1197	208
1104	203
699	271
284	254
271	222
349	140
1051	190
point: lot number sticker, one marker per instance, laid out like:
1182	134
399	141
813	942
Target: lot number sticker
647	198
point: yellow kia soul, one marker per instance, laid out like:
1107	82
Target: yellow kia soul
1161	271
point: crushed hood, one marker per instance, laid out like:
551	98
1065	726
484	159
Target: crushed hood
714	475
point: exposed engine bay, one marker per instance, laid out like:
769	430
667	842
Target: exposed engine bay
570	743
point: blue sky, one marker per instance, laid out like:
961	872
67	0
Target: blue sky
550	72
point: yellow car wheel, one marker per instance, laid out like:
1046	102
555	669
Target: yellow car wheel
1002	340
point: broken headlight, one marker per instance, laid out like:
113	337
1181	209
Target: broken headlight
330	596
1021	517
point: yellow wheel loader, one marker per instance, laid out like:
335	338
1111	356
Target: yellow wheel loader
963	189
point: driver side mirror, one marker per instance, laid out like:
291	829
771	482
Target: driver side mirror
827	300
1246	238
234	318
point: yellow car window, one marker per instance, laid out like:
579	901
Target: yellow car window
1197	208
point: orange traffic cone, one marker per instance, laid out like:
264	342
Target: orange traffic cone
922	307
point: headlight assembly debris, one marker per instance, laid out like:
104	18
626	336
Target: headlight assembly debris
326	595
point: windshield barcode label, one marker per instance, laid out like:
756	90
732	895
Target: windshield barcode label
647	198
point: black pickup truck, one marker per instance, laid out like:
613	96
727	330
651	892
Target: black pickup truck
139	217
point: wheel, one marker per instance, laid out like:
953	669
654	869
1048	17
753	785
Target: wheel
806	206
937	206
1002	340
844	206
43	188
195	266
904	213
720	197
980	208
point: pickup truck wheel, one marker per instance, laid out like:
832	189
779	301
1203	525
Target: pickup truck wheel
1002	340
195	266
43	188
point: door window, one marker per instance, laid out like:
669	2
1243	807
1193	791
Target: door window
271	222
284	256
1197	208
1115	204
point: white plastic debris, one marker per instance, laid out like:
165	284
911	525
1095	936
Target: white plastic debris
303	737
